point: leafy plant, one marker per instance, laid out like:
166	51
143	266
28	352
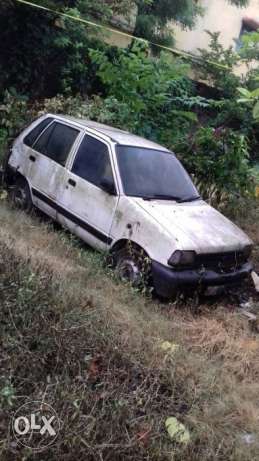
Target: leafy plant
251	98
217	67
155	17
249	50
211	155
141	91
7	395
13	116
52	55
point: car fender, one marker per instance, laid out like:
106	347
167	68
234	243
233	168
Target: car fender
132	223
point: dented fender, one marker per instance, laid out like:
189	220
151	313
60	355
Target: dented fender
132	223
162	227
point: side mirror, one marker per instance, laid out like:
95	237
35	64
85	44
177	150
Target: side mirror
108	186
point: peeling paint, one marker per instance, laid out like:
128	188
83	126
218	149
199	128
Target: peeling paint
159	227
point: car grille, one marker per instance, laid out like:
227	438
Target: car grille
221	261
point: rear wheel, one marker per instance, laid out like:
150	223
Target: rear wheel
20	195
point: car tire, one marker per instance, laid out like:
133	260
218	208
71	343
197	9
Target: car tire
20	195
133	265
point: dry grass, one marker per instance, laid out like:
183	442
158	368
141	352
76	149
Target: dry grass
69	330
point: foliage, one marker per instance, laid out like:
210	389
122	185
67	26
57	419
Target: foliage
154	98
154	17
13	114
150	96
250	47
218	66
249	53
42	54
141	90
251	98
211	155
53	53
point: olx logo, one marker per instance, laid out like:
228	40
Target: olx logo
35	425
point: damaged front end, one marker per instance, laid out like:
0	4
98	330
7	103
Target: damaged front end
191	270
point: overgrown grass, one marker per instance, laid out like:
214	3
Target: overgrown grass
90	347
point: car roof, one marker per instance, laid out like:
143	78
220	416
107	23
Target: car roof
116	135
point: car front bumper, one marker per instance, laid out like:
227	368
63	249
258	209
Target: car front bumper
167	281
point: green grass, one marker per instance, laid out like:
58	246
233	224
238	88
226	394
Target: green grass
92	347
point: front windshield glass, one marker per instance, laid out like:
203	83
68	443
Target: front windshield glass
150	173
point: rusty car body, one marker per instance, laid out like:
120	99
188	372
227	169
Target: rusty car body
129	196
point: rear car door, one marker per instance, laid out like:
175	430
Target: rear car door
85	207
21	158
48	157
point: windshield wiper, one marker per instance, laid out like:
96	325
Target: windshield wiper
190	199
162	197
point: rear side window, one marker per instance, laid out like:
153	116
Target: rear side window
56	142
30	139
92	161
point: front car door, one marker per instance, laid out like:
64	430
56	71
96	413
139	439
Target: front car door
85	207
48	157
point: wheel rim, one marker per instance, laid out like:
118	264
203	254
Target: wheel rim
20	197
128	271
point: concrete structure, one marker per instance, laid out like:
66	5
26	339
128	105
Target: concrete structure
219	16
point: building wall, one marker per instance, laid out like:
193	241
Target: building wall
219	15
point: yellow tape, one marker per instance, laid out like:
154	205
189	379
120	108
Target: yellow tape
115	31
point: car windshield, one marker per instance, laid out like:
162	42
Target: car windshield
153	174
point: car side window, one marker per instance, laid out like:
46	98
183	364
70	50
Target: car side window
56	142
31	137
92	161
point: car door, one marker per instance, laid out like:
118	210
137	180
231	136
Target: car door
48	157
85	207
21	157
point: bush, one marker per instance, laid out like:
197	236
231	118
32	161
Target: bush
142	88
219	162
154	98
13	115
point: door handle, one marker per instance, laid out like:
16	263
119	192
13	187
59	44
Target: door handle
72	182
32	158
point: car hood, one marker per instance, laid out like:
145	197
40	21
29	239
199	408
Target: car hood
196	226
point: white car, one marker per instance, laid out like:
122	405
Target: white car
122	193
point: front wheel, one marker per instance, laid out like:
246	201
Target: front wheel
20	195
134	266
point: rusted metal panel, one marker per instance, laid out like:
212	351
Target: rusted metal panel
159	227
163	227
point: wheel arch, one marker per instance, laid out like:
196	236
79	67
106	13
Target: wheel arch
123	243
11	176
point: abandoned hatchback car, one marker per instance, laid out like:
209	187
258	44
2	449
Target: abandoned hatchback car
122	193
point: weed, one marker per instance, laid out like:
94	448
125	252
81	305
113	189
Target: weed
90	347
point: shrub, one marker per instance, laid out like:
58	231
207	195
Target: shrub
147	95
154	98
219	162
13	116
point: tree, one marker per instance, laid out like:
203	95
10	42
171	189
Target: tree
154	17
41	53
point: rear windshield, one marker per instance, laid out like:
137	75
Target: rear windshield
30	139
150	173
